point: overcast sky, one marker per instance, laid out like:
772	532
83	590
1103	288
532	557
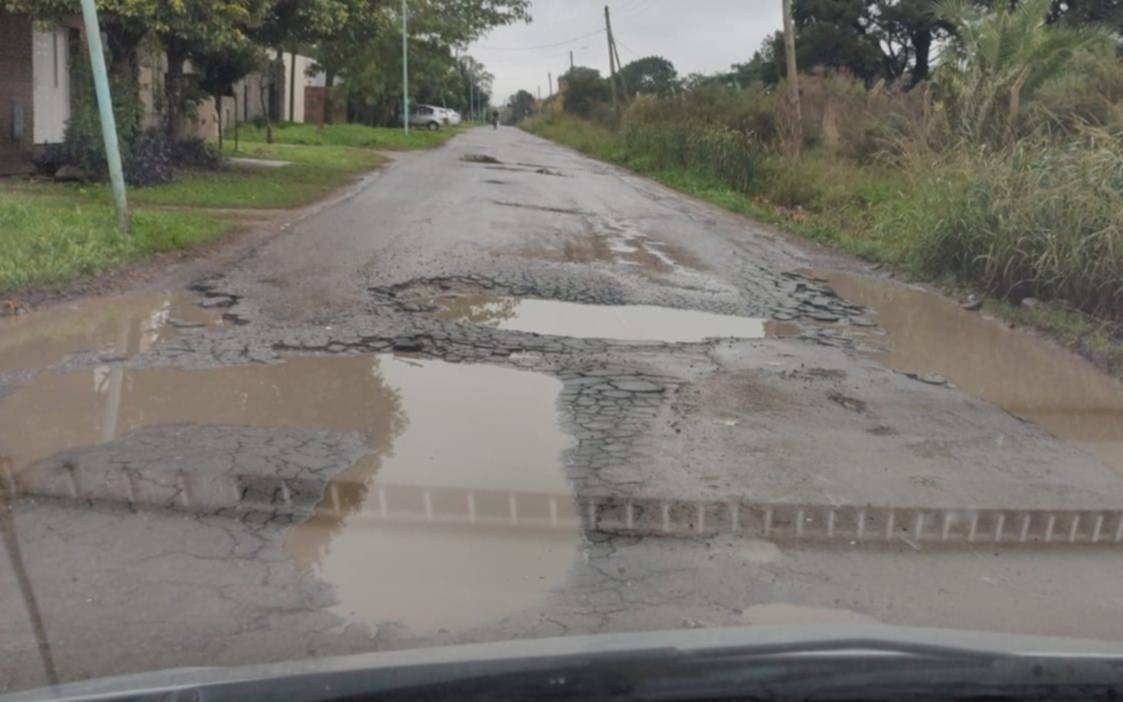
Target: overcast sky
697	36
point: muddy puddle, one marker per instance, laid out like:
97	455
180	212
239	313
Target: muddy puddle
621	322
458	478
118	325
1059	391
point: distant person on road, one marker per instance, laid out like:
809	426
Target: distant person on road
495	119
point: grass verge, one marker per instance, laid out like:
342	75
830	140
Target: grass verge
312	172
47	241
353	135
53	232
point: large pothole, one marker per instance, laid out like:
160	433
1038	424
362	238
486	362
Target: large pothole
460	478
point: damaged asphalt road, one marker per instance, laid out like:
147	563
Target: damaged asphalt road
298	452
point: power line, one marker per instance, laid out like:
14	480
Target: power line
626	47
536	58
544	46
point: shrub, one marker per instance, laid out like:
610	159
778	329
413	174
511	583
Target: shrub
150	160
190	152
1037	216
83	145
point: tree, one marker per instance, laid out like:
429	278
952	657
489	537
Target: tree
521	106
1001	59
870	39
582	88
342	38
366	51
652	75
218	71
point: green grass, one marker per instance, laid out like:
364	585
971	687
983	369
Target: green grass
53	232
314	171
45	241
353	135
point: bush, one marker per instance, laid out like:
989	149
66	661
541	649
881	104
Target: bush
150	160
190	152
1037	216
83	145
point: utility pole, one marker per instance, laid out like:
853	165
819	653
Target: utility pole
571	59
619	65
105	108
405	66
550	78
612	58
793	79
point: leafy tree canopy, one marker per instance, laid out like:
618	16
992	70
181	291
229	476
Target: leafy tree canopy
652	75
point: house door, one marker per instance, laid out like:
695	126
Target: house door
50	68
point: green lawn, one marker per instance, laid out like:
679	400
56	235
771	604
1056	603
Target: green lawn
354	135
314	171
48	240
53	232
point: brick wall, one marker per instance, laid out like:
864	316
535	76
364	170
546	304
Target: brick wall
16	87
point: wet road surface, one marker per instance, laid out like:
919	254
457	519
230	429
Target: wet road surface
531	395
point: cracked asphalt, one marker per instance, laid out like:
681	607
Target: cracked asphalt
713	483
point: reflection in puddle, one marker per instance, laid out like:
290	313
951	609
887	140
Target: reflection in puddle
462	482
623	322
1060	391
486	523
121	325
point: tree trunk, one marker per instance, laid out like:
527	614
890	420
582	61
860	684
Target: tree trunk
173	91
922	45
218	116
329	98
263	91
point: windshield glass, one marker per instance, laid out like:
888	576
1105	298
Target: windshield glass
597	341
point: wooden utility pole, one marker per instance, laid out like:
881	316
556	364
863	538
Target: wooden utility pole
550	78
611	58
793	79
571	59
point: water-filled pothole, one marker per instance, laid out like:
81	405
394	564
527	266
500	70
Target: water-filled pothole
621	322
460	480
122	325
929	334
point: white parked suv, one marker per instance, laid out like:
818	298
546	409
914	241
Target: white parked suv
432	117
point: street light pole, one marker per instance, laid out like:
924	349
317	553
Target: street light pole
405	66
105	108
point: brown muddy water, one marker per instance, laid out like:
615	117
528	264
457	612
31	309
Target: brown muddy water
1026	375
462	481
622	322
118	325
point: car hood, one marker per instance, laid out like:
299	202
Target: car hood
398	672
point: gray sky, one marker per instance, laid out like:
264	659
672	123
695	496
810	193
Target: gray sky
697	36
